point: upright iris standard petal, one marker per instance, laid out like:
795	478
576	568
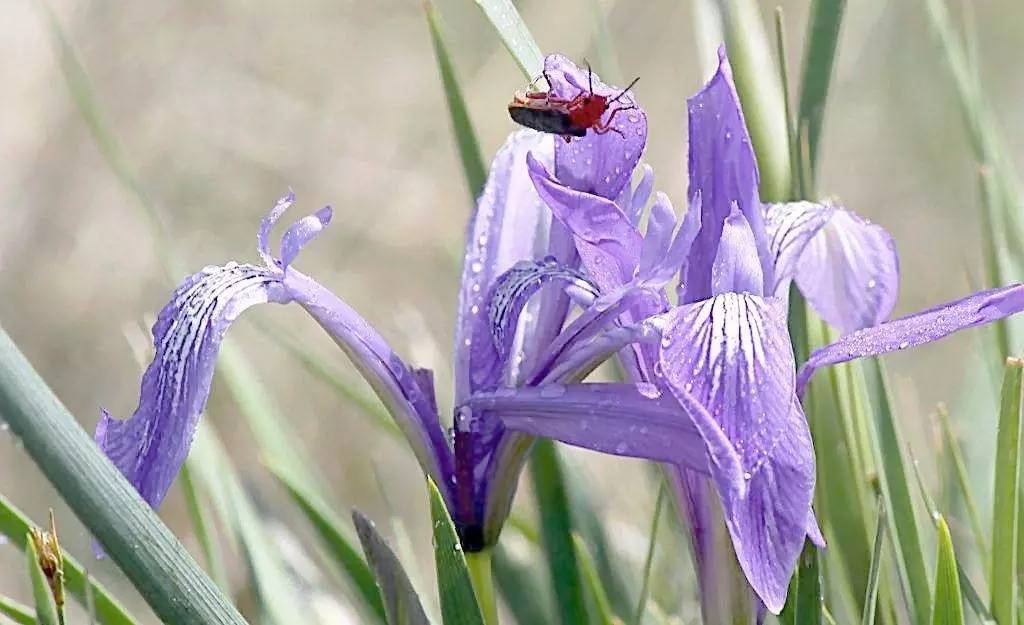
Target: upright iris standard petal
505	230
736	269
634	420
845	266
150	447
917	329
723	171
608	243
731	355
599	163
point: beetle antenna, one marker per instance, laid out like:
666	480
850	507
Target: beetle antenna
590	76
623	92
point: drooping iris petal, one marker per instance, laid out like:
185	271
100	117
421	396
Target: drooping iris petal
608	243
917	329
769	523
723	171
492	344
150	447
736	269
598	163
849	272
790	228
302	232
509	215
623	419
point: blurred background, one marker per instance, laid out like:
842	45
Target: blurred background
221	107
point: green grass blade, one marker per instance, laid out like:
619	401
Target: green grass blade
15	526
823	28
515	35
645	580
963	483
948	608
598	597
165	574
465	136
894	482
606	58
458	600
46	609
874	572
212	468
17	612
556	532
401	603
1003	596
338	545
203	527
524	596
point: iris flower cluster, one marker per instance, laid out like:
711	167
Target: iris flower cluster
559	277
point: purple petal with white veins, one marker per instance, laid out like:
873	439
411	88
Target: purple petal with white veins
633	420
849	272
608	243
504	231
150	447
597	163
723	170
917	329
736	268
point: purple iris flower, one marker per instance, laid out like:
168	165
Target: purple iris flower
714	388
504	334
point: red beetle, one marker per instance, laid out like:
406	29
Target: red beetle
567	117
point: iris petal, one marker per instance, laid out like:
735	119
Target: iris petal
736	268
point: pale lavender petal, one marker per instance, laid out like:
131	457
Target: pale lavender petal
736	268
917	329
509	215
597	163
661	224
723	170
576	363
641	195
150	447
633	420
790	228
263	236
769	524
302	232
607	241
849	272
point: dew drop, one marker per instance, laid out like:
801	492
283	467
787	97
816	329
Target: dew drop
872	284
621	448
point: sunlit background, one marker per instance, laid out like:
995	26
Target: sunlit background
219	108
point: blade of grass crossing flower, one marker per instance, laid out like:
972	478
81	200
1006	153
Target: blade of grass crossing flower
334	538
893	480
515	35
948	608
1003	597
401	603
17	612
805	603
202	525
823	28
516	578
133	536
604	615
874	573
645	580
46	609
556	532
461	598
465	137
963	483
213	469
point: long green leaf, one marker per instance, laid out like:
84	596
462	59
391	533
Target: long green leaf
459	604
822	40
213	469
328	526
203	527
556	532
20	614
645	580
598	597
1004	511
956	456
46	609
515	35
523	593
465	136
805	598
894	482
401	603
137	541
948	608
871	594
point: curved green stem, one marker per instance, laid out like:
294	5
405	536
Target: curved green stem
479	564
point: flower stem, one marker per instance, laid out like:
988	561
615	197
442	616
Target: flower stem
479	564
